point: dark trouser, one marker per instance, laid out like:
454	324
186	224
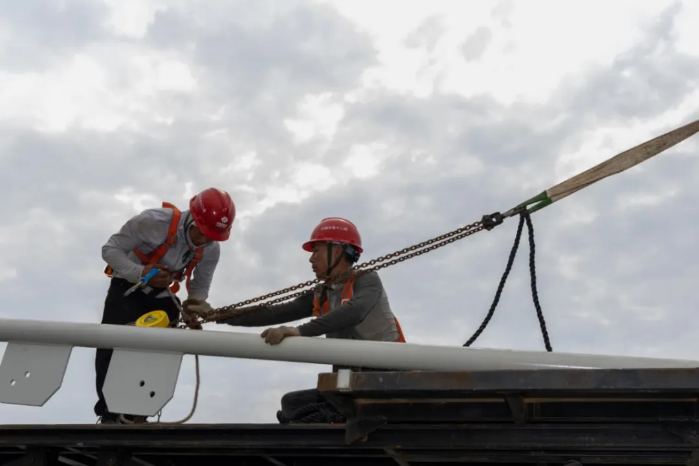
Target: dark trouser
120	310
293	401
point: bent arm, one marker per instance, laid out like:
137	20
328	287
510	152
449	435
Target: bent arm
297	309
137	231
203	273
367	291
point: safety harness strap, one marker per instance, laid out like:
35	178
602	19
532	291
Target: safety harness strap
158	253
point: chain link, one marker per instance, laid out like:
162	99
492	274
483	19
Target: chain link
225	312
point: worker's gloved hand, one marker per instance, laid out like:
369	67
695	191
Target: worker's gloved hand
274	336
162	280
197	306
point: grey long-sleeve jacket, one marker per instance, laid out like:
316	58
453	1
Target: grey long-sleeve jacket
367	316
148	230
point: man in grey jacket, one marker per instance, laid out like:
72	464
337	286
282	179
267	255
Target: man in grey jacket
183	246
356	308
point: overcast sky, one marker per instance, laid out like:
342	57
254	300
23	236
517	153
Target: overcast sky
411	118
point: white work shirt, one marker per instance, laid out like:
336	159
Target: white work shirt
148	230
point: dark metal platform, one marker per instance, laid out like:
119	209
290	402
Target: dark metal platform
596	417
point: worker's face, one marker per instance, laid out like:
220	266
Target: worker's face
197	236
319	258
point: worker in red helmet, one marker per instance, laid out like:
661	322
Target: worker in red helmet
356	308
182	246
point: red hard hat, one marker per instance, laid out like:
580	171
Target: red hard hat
213	211
335	230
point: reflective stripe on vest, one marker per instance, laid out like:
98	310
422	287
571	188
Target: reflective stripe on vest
158	253
347	294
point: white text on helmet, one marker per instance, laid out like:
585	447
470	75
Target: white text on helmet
201	204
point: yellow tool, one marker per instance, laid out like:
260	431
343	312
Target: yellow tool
154	319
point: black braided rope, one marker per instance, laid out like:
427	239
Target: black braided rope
316	413
524	216
532	274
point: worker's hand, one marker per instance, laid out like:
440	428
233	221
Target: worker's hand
274	336
197	306
162	280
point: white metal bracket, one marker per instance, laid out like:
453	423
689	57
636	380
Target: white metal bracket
141	382
31	373
344	379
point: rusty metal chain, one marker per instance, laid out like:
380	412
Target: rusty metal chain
486	223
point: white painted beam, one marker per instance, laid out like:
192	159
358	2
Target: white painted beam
311	350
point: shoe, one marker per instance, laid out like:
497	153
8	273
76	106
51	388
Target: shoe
281	418
109	418
132	419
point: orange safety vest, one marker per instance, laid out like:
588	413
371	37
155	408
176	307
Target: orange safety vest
347	293
158	253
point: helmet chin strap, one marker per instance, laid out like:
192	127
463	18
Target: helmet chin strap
332	265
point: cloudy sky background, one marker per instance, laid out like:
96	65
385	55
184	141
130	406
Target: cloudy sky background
411	121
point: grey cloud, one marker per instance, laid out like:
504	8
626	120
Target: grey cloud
642	82
259	76
306	50
475	44
503	11
45	33
427	34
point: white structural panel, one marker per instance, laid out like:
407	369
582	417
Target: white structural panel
312	350
30	373
141	382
